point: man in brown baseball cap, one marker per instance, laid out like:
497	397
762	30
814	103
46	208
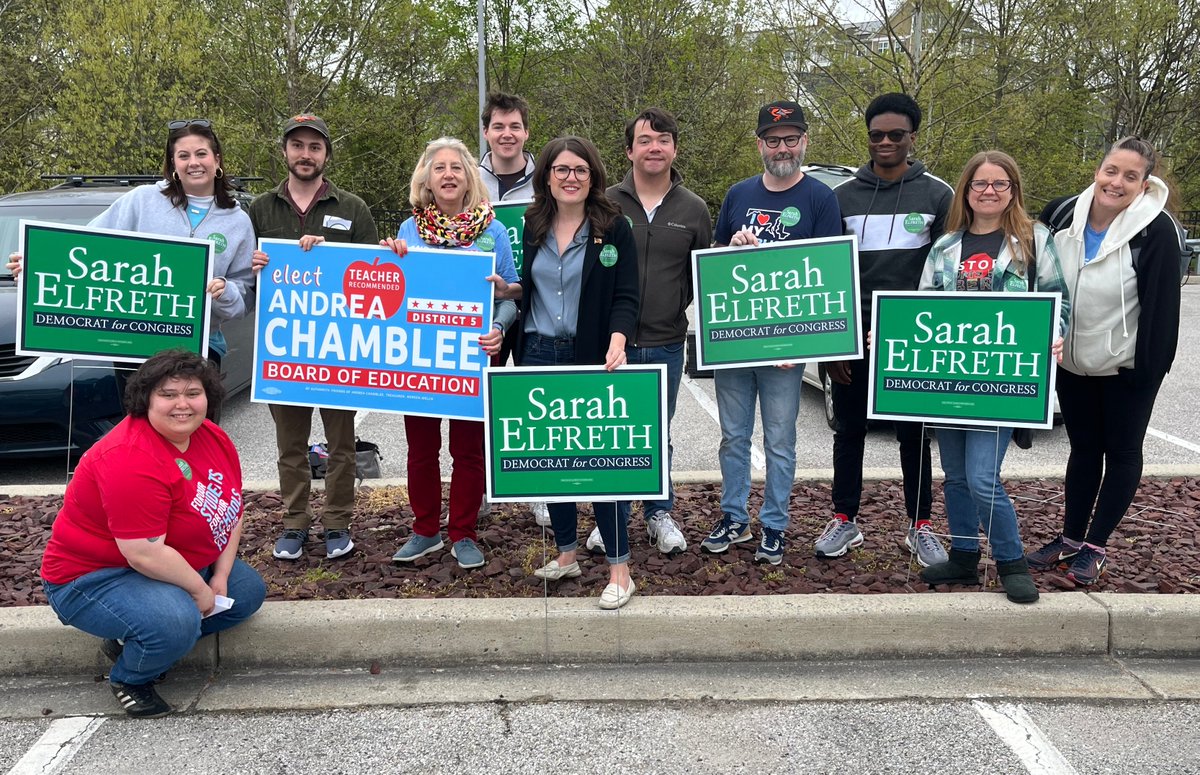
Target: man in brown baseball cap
308	207
308	121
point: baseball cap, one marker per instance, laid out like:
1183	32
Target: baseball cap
780	113
306	120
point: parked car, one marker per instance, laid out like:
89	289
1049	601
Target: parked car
55	405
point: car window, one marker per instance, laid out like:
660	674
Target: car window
10	222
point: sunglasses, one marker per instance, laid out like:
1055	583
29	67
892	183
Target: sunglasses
895	135
181	123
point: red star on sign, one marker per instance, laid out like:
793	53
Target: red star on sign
429	305
416	303
474	307
460	308
445	305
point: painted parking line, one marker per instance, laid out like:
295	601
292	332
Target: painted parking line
1156	433
57	746
757	458
1025	738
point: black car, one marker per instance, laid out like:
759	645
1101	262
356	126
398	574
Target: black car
56	405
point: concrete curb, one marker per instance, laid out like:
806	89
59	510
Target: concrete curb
439	633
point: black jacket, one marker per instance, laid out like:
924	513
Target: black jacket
681	224
608	295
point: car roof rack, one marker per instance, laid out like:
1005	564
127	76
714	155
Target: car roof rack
82	181
89	181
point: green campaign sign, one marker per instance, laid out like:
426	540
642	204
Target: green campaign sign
103	293
571	433
783	302
963	358
512	215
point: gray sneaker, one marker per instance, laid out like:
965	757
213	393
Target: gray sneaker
416	547
467	553
290	545
337	544
926	546
839	537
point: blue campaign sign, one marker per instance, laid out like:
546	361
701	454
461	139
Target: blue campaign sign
356	327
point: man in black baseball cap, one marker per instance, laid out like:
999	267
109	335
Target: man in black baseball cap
780	113
780	204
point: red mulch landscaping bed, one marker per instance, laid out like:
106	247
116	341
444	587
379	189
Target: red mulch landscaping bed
1153	550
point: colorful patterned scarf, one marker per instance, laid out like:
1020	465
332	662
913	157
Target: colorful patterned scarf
440	230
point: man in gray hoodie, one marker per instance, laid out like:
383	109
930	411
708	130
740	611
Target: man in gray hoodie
897	210
507	168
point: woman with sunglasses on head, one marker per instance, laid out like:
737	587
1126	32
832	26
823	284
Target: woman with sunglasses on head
990	244
194	199
451	212
579	305
1120	253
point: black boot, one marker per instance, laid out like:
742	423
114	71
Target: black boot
1017	583
961	568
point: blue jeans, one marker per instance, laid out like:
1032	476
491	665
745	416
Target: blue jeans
777	392
975	497
564	517
158	621
672	356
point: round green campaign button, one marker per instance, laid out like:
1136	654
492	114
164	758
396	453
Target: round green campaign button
629	221
790	216
486	242
914	223
608	255
219	241
1014	282
184	468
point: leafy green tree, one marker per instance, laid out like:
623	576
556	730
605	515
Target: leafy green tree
127	69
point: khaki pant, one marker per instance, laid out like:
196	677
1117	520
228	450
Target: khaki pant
293	424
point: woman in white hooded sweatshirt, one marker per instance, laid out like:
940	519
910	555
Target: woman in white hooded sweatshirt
1120	260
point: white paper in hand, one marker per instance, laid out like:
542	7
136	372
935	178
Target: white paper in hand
220	604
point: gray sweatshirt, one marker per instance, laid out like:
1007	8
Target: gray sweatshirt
146	210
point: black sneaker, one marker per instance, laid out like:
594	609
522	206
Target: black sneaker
113	648
1055	554
140	700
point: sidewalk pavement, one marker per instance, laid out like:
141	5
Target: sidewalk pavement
455	633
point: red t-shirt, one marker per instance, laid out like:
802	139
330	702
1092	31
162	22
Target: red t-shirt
135	484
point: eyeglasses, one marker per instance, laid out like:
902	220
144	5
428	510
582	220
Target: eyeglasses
791	141
562	172
180	123
997	185
895	135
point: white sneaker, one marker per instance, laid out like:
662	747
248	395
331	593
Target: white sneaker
541	514
665	534
595	544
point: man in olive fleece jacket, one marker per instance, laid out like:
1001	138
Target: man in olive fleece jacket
308	207
669	222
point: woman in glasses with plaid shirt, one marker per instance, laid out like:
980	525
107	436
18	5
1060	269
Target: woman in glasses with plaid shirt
990	244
